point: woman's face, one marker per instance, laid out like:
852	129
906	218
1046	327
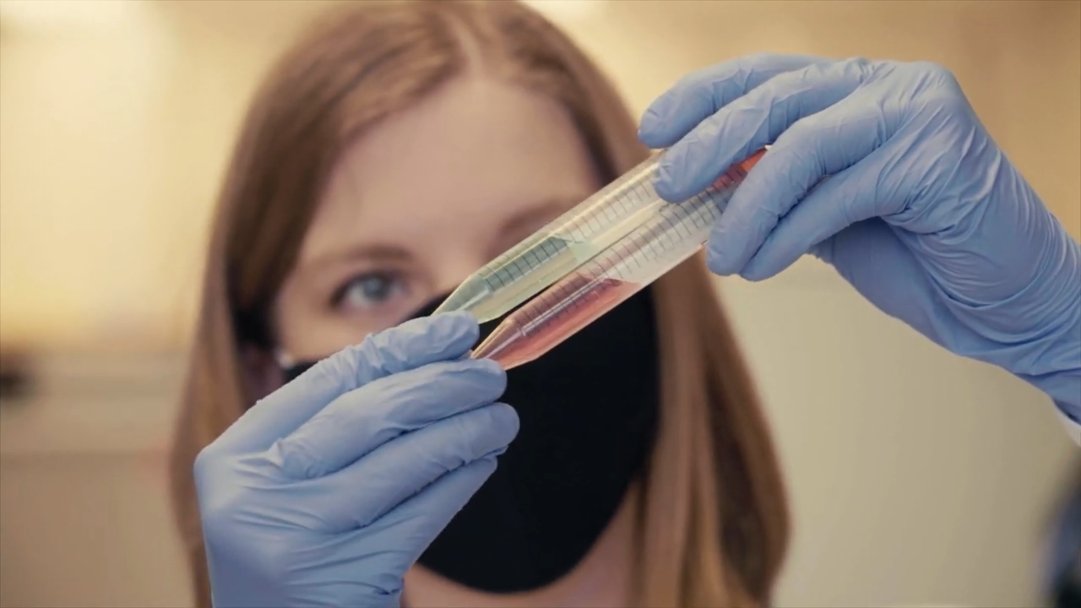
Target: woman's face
423	200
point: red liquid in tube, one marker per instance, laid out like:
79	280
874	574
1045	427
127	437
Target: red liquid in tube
537	327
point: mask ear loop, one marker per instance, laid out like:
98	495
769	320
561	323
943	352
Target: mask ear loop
285	361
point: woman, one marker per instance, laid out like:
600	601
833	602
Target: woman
392	152
399	147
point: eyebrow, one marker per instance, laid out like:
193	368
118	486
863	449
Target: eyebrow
374	253
544	210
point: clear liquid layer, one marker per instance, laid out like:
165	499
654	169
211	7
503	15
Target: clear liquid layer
557	249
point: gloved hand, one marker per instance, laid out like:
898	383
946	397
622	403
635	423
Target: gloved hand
328	490
922	213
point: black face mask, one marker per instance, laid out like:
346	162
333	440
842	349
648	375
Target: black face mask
588	412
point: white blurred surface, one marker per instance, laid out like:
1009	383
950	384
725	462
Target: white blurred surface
915	476
84	512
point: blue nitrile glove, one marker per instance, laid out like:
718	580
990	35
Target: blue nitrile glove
922	213
328	490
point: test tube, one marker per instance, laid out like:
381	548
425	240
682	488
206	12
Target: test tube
676	233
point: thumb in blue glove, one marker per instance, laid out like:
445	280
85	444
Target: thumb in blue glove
922	213
326	492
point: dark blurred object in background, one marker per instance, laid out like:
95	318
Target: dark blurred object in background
1065	558
1069	595
15	373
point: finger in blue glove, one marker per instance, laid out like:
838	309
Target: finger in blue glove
891	153
328	490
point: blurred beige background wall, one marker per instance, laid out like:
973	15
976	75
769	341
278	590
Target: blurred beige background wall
916	478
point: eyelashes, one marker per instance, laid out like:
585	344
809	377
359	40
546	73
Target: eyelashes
369	291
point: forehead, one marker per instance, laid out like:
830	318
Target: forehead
470	156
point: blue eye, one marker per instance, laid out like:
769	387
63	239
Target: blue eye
368	291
